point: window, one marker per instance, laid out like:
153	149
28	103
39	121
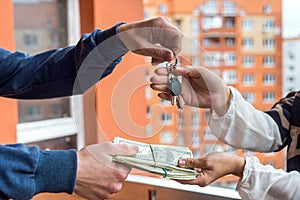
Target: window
248	43
211	22
194	45
247	25
248	79
230	41
180	139
269	61
230	59
210	7
229	8
30	40
269	79
230	77
33	112
291	56
166	118
269	97
206	115
163	8
212	59
208	134
195	61
269	25
165	102
267	9
194	26
292	68
166	137
196	139
269	43
248	61
148	93
195	119
178	23
229	22
249	97
291	79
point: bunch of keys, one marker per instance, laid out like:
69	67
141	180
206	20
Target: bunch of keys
174	85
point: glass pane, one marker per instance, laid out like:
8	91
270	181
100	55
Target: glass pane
44	30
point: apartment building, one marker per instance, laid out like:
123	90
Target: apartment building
290	65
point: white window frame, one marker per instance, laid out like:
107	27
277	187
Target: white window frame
248	61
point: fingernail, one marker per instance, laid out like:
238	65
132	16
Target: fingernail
181	163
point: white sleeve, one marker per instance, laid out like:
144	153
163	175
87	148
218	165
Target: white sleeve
245	127
264	182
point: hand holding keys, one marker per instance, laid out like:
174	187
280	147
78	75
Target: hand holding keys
174	85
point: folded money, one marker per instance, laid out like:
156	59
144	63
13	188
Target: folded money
158	159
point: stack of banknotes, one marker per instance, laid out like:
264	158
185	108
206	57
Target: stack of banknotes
158	159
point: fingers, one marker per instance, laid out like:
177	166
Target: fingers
125	150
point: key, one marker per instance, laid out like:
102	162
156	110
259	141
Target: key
175	87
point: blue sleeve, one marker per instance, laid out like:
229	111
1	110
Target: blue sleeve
61	72
26	171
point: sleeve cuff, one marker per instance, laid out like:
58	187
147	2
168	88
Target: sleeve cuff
56	171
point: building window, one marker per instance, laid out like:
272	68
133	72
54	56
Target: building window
166	137
269	79
247	25
163	8
248	43
208	134
267	9
248	61
210	7
291	56
230	59
269	43
249	97
230	77
268	25
248	79
212	59
269	97
229	22
166	118
194	45
269	61
148	93
206	115
31	40
211	22
165	102
229	8
194	26
33	112
195	61
195	119
180	139
292	68
291	79
196	139
178	23
230	41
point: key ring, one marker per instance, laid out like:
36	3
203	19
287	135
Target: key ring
171	65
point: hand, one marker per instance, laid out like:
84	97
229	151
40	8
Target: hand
213	166
200	88
98	177
156	37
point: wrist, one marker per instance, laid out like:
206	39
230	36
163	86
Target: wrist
223	102
239	166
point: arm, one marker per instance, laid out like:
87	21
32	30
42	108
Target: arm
53	73
26	171
256	181
242	126
265	182
74	69
233	120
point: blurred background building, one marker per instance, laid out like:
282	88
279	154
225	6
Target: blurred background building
240	40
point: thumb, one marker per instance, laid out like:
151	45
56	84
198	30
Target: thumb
158	53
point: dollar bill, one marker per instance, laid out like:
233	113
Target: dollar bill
158	159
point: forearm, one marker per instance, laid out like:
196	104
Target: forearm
265	182
26	171
53	73
245	127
